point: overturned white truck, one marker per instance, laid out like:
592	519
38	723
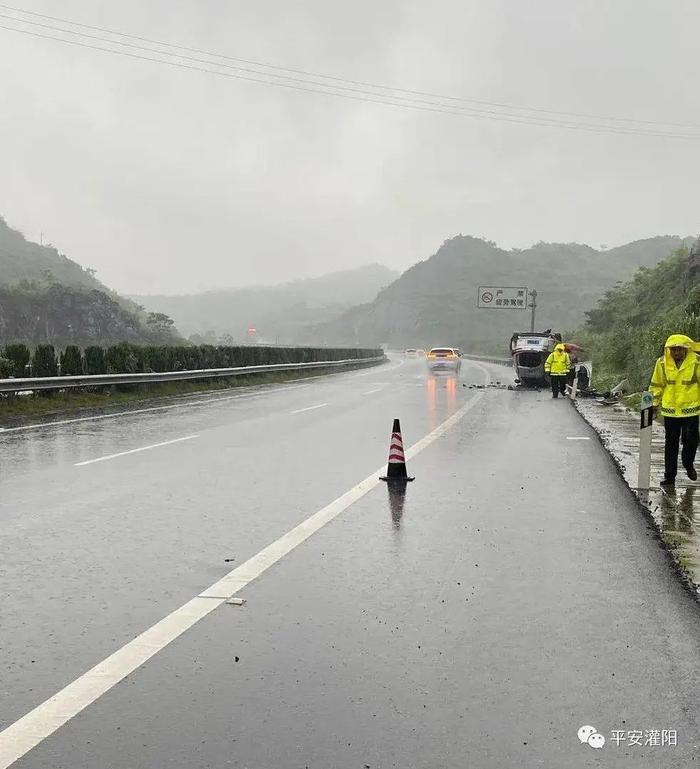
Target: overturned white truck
529	351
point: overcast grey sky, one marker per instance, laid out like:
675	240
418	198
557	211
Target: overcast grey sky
167	180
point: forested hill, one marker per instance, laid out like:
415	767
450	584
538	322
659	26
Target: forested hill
47	298
628	327
22	261
278	312
434	302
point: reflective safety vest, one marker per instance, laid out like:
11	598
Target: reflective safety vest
558	362
677	390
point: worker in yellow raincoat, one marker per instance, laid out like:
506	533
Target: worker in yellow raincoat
676	390
557	366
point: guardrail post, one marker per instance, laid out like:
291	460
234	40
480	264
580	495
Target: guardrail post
646	420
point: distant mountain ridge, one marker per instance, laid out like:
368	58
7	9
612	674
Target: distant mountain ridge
47	297
279	313
434	302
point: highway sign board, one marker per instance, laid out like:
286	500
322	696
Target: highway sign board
502	298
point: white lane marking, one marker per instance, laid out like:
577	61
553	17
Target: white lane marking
309	408
340	373
388	368
134	451
577	438
371	392
307	378
34	727
182	405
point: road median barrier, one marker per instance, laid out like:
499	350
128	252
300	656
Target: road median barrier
34	384
489	359
51	397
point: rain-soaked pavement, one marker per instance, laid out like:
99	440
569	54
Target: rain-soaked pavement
513	594
676	511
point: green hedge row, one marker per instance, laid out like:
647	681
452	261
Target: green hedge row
16	360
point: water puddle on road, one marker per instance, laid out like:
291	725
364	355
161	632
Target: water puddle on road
676	512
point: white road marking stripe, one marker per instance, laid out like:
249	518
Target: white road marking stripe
307	378
134	451
383	369
577	438
309	408
184	404
34	727
371	392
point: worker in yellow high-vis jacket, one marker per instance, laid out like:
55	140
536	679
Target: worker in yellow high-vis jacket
557	366
676	389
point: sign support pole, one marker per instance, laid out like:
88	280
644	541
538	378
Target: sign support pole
533	305
646	420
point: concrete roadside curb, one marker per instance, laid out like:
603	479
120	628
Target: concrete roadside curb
681	547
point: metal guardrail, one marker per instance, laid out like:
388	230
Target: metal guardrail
489	359
102	380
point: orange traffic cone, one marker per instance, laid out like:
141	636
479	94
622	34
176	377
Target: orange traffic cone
396	468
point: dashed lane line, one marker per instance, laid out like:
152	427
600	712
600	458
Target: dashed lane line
308	408
135	451
184	404
34	727
150	409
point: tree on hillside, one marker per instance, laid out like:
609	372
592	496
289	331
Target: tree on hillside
49	278
160	325
626	330
160	320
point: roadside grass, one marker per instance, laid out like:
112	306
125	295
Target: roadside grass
605	379
104	399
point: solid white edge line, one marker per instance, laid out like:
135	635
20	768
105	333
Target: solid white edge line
371	392
577	438
309	408
34	727
184	404
134	451
181	405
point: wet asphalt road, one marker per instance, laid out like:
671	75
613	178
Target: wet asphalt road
514	595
